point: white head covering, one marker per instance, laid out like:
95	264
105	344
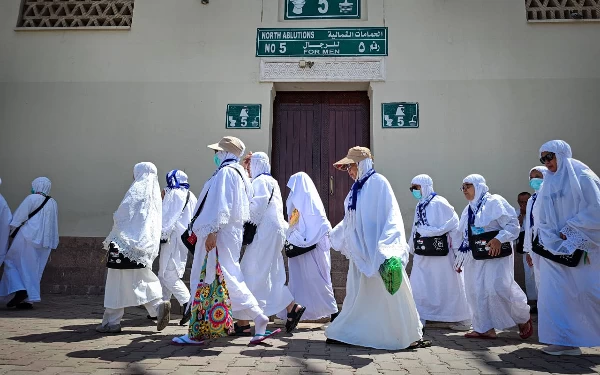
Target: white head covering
259	164
364	166
227	158
137	221
481	188
41	229
540	168
426	185
569	203
174	201
313	223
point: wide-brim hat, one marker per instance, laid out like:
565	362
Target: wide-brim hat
355	155
229	144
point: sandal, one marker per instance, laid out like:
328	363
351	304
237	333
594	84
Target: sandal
336	342
527	330
477	335
241	330
185	340
258	338
420	344
290	325
20	296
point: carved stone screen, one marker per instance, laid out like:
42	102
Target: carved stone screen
75	14
562	10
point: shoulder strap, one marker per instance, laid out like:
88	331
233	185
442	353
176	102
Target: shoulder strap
32	214
39	208
187	199
199	208
271	197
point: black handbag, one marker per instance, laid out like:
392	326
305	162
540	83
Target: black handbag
188	237
566	260
116	260
292	251
250	228
520	242
32	214
478	244
431	246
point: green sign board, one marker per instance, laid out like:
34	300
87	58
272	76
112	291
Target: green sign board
322	42
243	116
321	9
400	115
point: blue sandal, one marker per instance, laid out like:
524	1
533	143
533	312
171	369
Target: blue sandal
263	337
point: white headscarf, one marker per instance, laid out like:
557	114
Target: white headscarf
5	219
313	223
173	203
426	184
41	229
137	221
259	164
228	158
532	205
569	203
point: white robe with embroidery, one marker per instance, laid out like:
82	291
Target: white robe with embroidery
438	290
370	315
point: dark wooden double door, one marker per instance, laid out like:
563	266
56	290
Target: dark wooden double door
313	130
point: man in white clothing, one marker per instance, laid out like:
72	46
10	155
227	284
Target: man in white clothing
5	219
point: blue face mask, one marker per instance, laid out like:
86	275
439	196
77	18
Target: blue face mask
536	183
217	161
32	191
417	194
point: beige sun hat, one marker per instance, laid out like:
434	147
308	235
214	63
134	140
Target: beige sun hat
229	144
355	155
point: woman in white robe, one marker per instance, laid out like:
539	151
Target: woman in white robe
438	290
262	264
5	219
495	299
536	179
133	244
569	219
310	272
220	225
177	211
28	254
371	232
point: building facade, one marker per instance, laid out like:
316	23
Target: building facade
448	88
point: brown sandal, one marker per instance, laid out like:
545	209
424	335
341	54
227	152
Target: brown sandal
526	330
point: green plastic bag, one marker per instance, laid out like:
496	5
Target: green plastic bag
391	274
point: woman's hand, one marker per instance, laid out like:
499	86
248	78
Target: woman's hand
494	247
529	260
211	242
562	236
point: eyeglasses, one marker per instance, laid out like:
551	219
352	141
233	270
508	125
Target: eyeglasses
465	187
414	188
547	158
345	167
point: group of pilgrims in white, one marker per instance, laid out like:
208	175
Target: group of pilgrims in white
462	271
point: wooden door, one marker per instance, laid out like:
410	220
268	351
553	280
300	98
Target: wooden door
312	130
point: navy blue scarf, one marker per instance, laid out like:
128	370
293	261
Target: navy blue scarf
533	198
464	247
173	182
421	212
358	184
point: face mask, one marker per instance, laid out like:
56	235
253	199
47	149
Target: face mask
32	191
536	183
417	194
217	161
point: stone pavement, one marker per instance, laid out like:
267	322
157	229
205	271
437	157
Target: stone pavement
58	337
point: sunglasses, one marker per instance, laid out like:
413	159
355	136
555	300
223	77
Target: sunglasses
465	187
345	167
413	188
547	158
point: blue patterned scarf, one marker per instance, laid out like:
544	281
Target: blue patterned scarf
464	247
358	184
421	212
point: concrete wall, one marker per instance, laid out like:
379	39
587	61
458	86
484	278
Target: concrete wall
82	107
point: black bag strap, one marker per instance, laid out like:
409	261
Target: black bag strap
32	214
198	210
272	190
187	199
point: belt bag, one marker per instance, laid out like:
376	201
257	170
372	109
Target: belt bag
566	260
479	242
292	251
431	246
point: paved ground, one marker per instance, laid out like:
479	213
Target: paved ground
58	337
